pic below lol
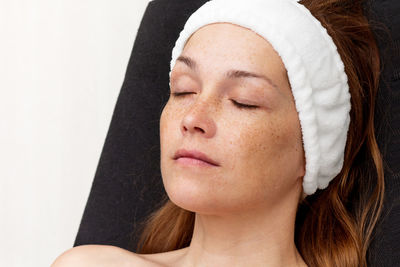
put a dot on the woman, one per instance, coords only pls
(261, 97)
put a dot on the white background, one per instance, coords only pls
(62, 64)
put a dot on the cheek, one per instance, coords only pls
(262, 141)
(269, 155)
(168, 123)
(166, 147)
(163, 122)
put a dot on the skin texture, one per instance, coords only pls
(245, 207)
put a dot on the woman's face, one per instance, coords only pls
(258, 150)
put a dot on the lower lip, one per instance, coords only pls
(194, 162)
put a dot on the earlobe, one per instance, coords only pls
(302, 172)
(302, 195)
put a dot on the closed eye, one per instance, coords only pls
(237, 104)
(179, 94)
(242, 106)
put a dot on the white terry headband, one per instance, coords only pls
(315, 70)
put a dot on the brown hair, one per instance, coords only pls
(334, 226)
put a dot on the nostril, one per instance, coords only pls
(199, 129)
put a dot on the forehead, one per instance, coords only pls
(228, 41)
(226, 45)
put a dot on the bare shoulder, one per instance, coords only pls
(101, 256)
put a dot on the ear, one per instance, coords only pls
(302, 195)
(300, 176)
(302, 167)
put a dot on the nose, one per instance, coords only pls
(199, 119)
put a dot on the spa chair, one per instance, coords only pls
(127, 185)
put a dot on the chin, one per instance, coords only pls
(192, 199)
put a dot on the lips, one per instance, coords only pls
(195, 155)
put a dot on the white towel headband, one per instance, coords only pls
(315, 70)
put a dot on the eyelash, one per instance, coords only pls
(237, 104)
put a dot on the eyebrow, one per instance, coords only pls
(231, 74)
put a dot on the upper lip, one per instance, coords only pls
(194, 154)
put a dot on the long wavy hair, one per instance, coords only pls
(333, 226)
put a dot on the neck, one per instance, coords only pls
(252, 238)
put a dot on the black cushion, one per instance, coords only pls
(128, 185)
